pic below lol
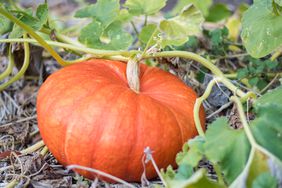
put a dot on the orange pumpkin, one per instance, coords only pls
(88, 115)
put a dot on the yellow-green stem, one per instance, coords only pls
(12, 184)
(30, 31)
(10, 65)
(270, 74)
(61, 37)
(44, 151)
(22, 70)
(189, 55)
(243, 119)
(33, 148)
(198, 104)
(118, 55)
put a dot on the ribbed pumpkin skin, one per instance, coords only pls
(88, 115)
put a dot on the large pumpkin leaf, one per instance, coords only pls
(104, 11)
(268, 125)
(147, 7)
(271, 97)
(224, 145)
(262, 28)
(105, 31)
(177, 29)
(94, 35)
(192, 152)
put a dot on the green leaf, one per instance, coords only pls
(147, 32)
(42, 14)
(176, 30)
(192, 152)
(253, 81)
(202, 5)
(112, 38)
(261, 41)
(242, 73)
(271, 64)
(124, 16)
(104, 11)
(268, 125)
(26, 17)
(218, 36)
(197, 180)
(218, 12)
(257, 164)
(271, 97)
(265, 180)
(278, 2)
(16, 32)
(224, 145)
(5, 25)
(147, 7)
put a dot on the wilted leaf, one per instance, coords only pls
(261, 30)
(234, 27)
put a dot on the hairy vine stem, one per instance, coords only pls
(22, 70)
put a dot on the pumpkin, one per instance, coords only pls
(88, 115)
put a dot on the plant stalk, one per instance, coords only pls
(22, 70)
(30, 31)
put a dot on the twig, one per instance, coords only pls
(44, 151)
(149, 157)
(70, 167)
(12, 184)
(219, 110)
(11, 99)
(19, 121)
(33, 147)
(269, 84)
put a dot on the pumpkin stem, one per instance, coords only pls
(132, 74)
